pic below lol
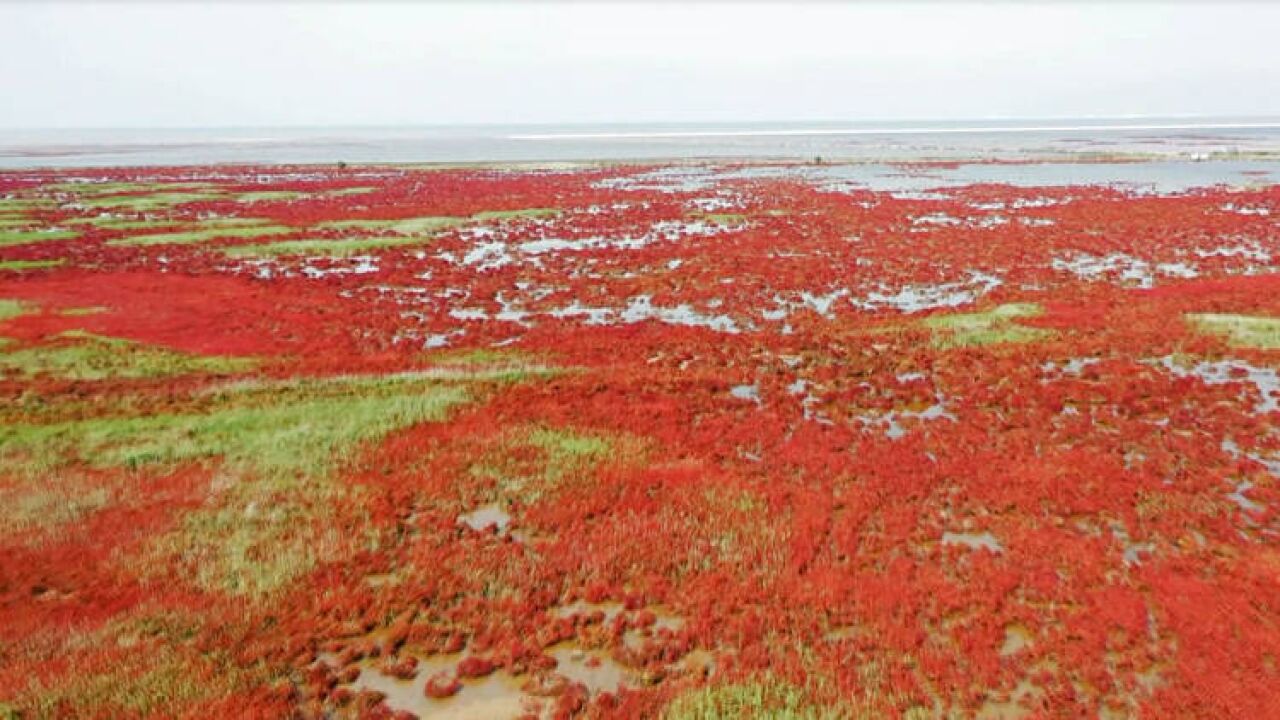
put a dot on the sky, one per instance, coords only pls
(205, 64)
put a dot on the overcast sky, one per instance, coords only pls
(325, 63)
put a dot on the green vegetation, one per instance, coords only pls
(414, 231)
(723, 218)
(287, 195)
(81, 356)
(407, 226)
(82, 311)
(488, 215)
(10, 206)
(61, 499)
(996, 325)
(273, 452)
(1240, 330)
(23, 237)
(12, 309)
(564, 446)
(98, 189)
(422, 225)
(226, 228)
(479, 357)
(16, 265)
(145, 679)
(151, 201)
(269, 196)
(563, 455)
(321, 248)
(110, 222)
(766, 698)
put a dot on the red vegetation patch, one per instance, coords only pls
(954, 449)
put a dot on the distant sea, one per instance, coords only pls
(905, 140)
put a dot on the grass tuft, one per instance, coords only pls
(12, 309)
(212, 231)
(19, 265)
(83, 356)
(273, 450)
(1240, 330)
(27, 237)
(320, 248)
(997, 325)
(765, 698)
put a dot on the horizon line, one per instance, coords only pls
(890, 131)
(1114, 122)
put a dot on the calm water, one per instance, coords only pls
(1157, 176)
(536, 143)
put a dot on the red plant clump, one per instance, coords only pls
(442, 685)
(475, 667)
(977, 448)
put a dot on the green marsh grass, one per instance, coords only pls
(27, 237)
(18, 265)
(212, 230)
(1240, 330)
(82, 356)
(272, 451)
(997, 325)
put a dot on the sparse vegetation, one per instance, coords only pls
(998, 325)
(19, 265)
(83, 356)
(1242, 330)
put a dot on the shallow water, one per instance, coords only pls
(973, 541)
(1265, 380)
(1153, 176)
(549, 146)
(595, 669)
(496, 697)
(485, 517)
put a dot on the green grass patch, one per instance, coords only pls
(269, 196)
(321, 248)
(62, 498)
(1240, 330)
(12, 309)
(18, 265)
(766, 698)
(561, 445)
(488, 215)
(82, 311)
(423, 225)
(474, 357)
(151, 678)
(20, 206)
(997, 325)
(24, 237)
(289, 195)
(723, 218)
(109, 222)
(82, 356)
(97, 189)
(563, 456)
(274, 451)
(11, 222)
(213, 231)
(407, 226)
(151, 201)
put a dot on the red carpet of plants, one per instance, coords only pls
(379, 441)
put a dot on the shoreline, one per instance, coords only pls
(921, 130)
(1011, 159)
